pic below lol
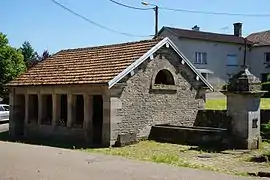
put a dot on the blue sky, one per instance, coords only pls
(47, 26)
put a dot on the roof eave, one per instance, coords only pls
(148, 54)
(65, 84)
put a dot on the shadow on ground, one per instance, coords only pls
(4, 136)
(208, 149)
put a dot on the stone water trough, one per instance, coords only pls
(197, 136)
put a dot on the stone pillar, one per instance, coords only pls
(69, 110)
(26, 109)
(243, 105)
(40, 109)
(245, 125)
(12, 122)
(54, 109)
(86, 111)
(106, 128)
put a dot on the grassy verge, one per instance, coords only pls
(156, 152)
(220, 104)
(229, 161)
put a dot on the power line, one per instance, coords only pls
(193, 11)
(94, 23)
(214, 13)
(128, 6)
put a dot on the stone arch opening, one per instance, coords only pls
(164, 77)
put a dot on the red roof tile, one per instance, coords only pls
(260, 38)
(85, 65)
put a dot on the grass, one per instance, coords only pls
(263, 154)
(220, 104)
(154, 152)
(183, 156)
(147, 151)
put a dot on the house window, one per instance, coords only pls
(267, 57)
(164, 77)
(232, 60)
(200, 58)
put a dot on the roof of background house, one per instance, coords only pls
(103, 64)
(260, 38)
(207, 36)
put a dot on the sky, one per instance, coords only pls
(49, 27)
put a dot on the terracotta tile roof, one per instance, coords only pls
(260, 38)
(85, 65)
(207, 36)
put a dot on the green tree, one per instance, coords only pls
(11, 64)
(29, 54)
(44, 55)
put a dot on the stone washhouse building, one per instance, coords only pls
(94, 94)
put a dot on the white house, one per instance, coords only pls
(259, 60)
(216, 56)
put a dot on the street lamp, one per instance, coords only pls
(156, 15)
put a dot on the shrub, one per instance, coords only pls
(265, 131)
(266, 87)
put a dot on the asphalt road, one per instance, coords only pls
(24, 162)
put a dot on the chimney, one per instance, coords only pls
(195, 28)
(238, 29)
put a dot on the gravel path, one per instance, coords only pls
(25, 162)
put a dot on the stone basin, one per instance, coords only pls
(195, 135)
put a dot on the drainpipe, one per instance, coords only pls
(245, 52)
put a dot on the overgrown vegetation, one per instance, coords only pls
(266, 87)
(15, 61)
(11, 64)
(263, 155)
(265, 131)
(155, 152)
(185, 156)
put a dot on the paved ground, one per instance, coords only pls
(25, 162)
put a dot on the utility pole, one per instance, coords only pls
(156, 15)
(156, 20)
(245, 53)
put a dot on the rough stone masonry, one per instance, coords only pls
(140, 103)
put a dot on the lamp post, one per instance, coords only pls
(156, 15)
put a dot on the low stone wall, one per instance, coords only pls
(57, 133)
(213, 118)
(198, 136)
(220, 119)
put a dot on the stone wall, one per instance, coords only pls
(137, 104)
(63, 134)
(213, 118)
(220, 119)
